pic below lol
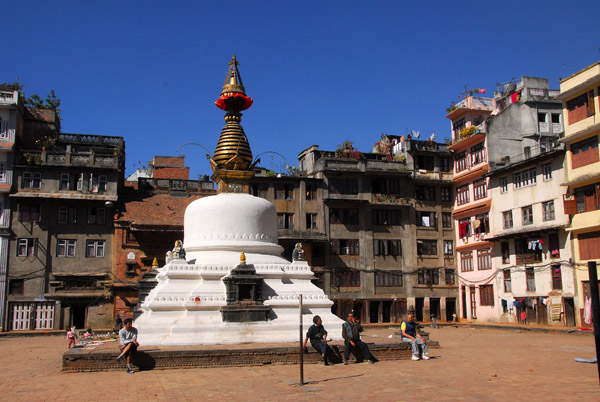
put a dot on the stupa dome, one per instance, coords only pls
(231, 222)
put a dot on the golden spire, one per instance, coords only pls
(232, 158)
(243, 258)
(154, 263)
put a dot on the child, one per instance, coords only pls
(88, 333)
(72, 336)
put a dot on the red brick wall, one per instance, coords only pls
(182, 173)
(169, 161)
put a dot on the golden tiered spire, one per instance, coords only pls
(232, 158)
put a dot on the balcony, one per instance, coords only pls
(84, 139)
(540, 95)
(67, 158)
(175, 186)
(9, 97)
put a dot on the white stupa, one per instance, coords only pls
(185, 307)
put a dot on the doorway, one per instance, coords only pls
(569, 312)
(463, 292)
(434, 305)
(450, 308)
(419, 304)
(78, 316)
(473, 302)
(374, 311)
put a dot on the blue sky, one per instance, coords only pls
(319, 72)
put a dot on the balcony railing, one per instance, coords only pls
(8, 97)
(176, 185)
(85, 139)
(87, 159)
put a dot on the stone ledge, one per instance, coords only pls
(103, 359)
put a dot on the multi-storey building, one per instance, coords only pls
(474, 249)
(386, 216)
(11, 121)
(62, 225)
(535, 276)
(581, 108)
(148, 222)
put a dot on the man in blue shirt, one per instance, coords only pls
(128, 343)
(412, 336)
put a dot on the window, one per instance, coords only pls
(29, 213)
(479, 189)
(318, 254)
(504, 184)
(507, 281)
(3, 130)
(448, 248)
(387, 247)
(587, 198)
(444, 164)
(457, 126)
(94, 248)
(344, 216)
(311, 193)
(66, 248)
(528, 250)
(589, 246)
(466, 261)
(97, 183)
(388, 279)
(285, 221)
(508, 219)
(527, 213)
(311, 221)
(556, 277)
(547, 170)
(386, 217)
(96, 216)
(548, 208)
(260, 190)
(554, 245)
(425, 193)
(32, 180)
(581, 107)
(505, 252)
(527, 152)
(530, 275)
(461, 162)
(481, 224)
(446, 219)
(423, 162)
(486, 295)
(80, 182)
(464, 227)
(477, 154)
(65, 181)
(386, 186)
(484, 259)
(345, 278)
(427, 247)
(16, 287)
(2, 172)
(556, 123)
(345, 247)
(445, 194)
(524, 179)
(67, 215)
(584, 152)
(27, 247)
(462, 194)
(343, 186)
(450, 276)
(284, 192)
(428, 276)
(426, 219)
(543, 122)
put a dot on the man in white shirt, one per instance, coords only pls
(128, 343)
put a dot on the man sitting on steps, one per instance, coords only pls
(351, 330)
(412, 336)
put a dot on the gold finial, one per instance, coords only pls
(233, 81)
(243, 258)
(154, 263)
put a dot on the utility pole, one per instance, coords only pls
(301, 348)
(593, 274)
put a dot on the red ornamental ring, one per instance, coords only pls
(197, 299)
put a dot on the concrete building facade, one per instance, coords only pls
(580, 94)
(390, 242)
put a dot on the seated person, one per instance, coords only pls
(318, 339)
(351, 330)
(128, 343)
(412, 336)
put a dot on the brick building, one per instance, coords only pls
(148, 222)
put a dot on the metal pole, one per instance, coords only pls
(593, 274)
(301, 348)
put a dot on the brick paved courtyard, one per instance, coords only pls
(472, 364)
